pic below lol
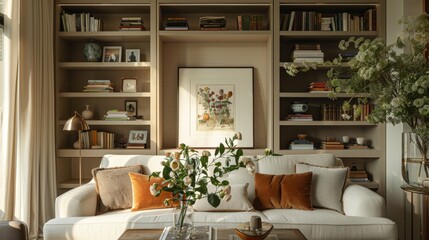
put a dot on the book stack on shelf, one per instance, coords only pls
(210, 23)
(357, 146)
(331, 145)
(99, 86)
(132, 24)
(177, 23)
(358, 176)
(136, 145)
(80, 22)
(94, 139)
(301, 144)
(307, 53)
(115, 115)
(318, 87)
(249, 22)
(300, 117)
(340, 21)
(331, 112)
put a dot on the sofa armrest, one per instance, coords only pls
(361, 201)
(80, 201)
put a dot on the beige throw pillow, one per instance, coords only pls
(113, 186)
(239, 201)
(327, 185)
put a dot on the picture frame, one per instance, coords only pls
(132, 55)
(215, 103)
(131, 108)
(112, 53)
(137, 137)
(129, 85)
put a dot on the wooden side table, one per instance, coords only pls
(424, 219)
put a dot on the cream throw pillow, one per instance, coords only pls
(239, 201)
(327, 185)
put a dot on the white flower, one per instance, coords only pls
(227, 197)
(172, 175)
(245, 160)
(170, 185)
(396, 102)
(153, 190)
(189, 166)
(250, 166)
(238, 136)
(175, 165)
(187, 180)
(227, 190)
(206, 153)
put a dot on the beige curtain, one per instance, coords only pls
(27, 165)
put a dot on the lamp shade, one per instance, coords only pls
(76, 123)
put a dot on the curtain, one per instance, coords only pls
(27, 164)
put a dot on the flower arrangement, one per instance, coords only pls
(395, 76)
(187, 174)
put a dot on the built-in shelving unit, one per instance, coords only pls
(289, 90)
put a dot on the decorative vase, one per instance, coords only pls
(183, 220)
(87, 113)
(415, 163)
(92, 51)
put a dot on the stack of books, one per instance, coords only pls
(333, 145)
(308, 53)
(212, 23)
(132, 24)
(98, 86)
(357, 146)
(116, 115)
(80, 22)
(318, 87)
(300, 117)
(95, 139)
(249, 22)
(301, 144)
(358, 176)
(178, 23)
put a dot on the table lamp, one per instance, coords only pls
(77, 123)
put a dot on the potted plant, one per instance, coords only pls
(396, 78)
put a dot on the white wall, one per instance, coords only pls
(397, 201)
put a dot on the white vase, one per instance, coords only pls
(87, 113)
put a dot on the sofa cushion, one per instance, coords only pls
(267, 191)
(113, 187)
(327, 185)
(142, 198)
(296, 191)
(239, 201)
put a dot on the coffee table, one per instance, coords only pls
(218, 233)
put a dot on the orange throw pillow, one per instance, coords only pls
(296, 191)
(267, 191)
(142, 198)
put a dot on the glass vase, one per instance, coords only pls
(183, 220)
(415, 165)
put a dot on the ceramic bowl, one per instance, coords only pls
(243, 231)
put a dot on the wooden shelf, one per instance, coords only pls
(326, 123)
(327, 34)
(101, 152)
(371, 153)
(215, 36)
(107, 36)
(104, 65)
(72, 183)
(103, 94)
(318, 95)
(113, 123)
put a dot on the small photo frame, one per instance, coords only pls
(132, 55)
(112, 53)
(131, 108)
(129, 85)
(137, 137)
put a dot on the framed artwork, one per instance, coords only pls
(215, 103)
(131, 108)
(132, 55)
(112, 53)
(137, 137)
(129, 85)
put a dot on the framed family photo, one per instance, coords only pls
(129, 85)
(112, 53)
(132, 55)
(131, 108)
(215, 103)
(137, 137)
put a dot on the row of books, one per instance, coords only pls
(358, 176)
(99, 86)
(331, 145)
(96, 139)
(132, 24)
(177, 23)
(341, 21)
(80, 22)
(318, 87)
(213, 23)
(334, 112)
(250, 22)
(308, 56)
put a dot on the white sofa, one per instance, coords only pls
(363, 216)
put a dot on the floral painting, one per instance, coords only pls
(215, 107)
